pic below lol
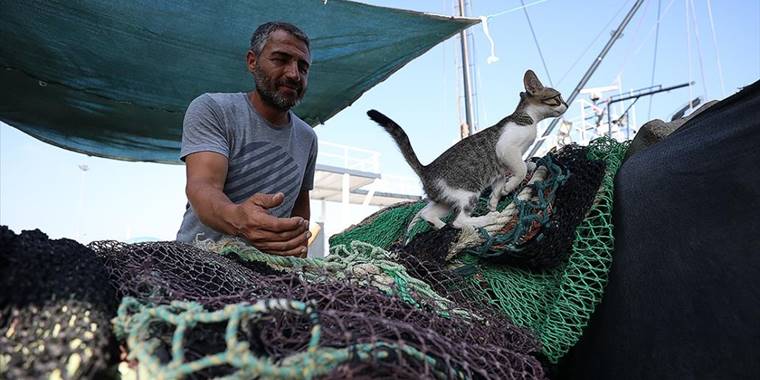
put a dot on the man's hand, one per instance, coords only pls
(206, 173)
(278, 236)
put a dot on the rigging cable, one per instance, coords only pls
(643, 41)
(654, 60)
(715, 46)
(629, 52)
(536, 41)
(699, 46)
(517, 8)
(614, 17)
(688, 44)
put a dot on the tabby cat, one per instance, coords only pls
(491, 157)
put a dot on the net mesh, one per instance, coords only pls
(565, 265)
(54, 310)
(390, 301)
(290, 324)
(556, 304)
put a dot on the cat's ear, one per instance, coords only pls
(532, 84)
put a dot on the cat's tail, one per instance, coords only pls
(402, 140)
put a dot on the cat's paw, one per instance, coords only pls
(493, 203)
(508, 188)
(437, 223)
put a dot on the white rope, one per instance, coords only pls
(715, 46)
(491, 58)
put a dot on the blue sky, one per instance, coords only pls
(42, 186)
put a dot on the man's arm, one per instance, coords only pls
(206, 173)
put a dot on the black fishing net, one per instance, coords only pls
(547, 222)
(55, 309)
(549, 245)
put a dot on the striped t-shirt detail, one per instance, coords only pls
(262, 158)
(262, 168)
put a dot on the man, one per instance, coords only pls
(250, 160)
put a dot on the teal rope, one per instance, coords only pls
(134, 321)
(528, 212)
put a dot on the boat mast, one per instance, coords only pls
(466, 76)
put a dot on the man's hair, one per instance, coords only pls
(262, 33)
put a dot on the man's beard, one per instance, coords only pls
(267, 89)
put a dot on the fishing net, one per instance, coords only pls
(550, 282)
(556, 304)
(55, 311)
(305, 321)
(545, 214)
(383, 228)
(390, 301)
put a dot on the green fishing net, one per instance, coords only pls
(554, 303)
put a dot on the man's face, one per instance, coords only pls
(281, 70)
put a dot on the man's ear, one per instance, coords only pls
(250, 60)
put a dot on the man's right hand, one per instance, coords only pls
(278, 236)
(206, 173)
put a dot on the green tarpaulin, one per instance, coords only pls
(113, 78)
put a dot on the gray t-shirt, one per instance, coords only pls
(262, 158)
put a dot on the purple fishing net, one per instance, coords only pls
(479, 343)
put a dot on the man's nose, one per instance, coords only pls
(291, 72)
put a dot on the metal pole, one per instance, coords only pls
(652, 92)
(609, 120)
(466, 74)
(590, 71)
(635, 97)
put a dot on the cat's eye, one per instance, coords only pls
(553, 101)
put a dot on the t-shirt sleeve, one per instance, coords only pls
(308, 179)
(203, 129)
